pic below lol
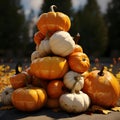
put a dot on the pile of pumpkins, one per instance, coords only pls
(58, 74)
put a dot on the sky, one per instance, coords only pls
(36, 4)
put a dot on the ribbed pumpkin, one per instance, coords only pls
(20, 80)
(73, 81)
(6, 95)
(79, 62)
(53, 21)
(35, 54)
(44, 48)
(102, 87)
(49, 67)
(29, 98)
(38, 37)
(37, 82)
(61, 43)
(75, 102)
(78, 48)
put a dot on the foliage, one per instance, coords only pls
(113, 20)
(91, 25)
(13, 33)
(64, 6)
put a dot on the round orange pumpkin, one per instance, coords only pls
(29, 98)
(53, 21)
(78, 48)
(37, 82)
(20, 80)
(49, 67)
(79, 62)
(38, 36)
(102, 87)
(55, 88)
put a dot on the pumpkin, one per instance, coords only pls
(85, 74)
(29, 98)
(74, 102)
(28, 71)
(35, 55)
(61, 43)
(79, 62)
(52, 103)
(49, 67)
(38, 37)
(55, 88)
(20, 79)
(6, 95)
(78, 48)
(44, 48)
(102, 87)
(53, 21)
(73, 81)
(37, 82)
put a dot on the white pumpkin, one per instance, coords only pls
(73, 81)
(6, 96)
(74, 103)
(35, 55)
(44, 48)
(61, 43)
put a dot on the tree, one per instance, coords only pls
(62, 6)
(91, 25)
(113, 21)
(13, 34)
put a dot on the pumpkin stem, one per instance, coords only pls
(17, 68)
(52, 8)
(77, 37)
(101, 73)
(77, 78)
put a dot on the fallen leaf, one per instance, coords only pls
(116, 109)
(99, 109)
(6, 107)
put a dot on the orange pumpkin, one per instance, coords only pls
(49, 67)
(52, 103)
(55, 88)
(102, 87)
(20, 80)
(78, 48)
(53, 21)
(38, 36)
(79, 62)
(39, 82)
(29, 98)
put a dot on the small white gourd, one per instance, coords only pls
(74, 102)
(73, 81)
(61, 43)
(6, 96)
(44, 48)
(35, 55)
